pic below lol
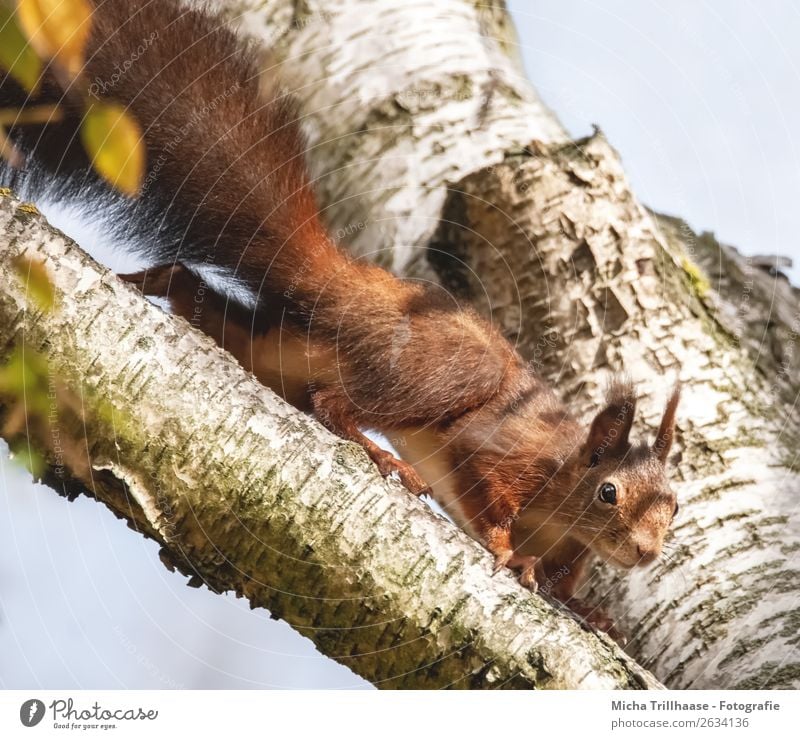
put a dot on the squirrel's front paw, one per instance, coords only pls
(529, 570)
(526, 565)
(597, 618)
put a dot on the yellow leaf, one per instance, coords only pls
(57, 29)
(36, 278)
(113, 140)
(17, 56)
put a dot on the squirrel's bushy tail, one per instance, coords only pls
(225, 183)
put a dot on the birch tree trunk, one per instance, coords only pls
(436, 158)
(245, 493)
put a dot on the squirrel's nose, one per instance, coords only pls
(646, 554)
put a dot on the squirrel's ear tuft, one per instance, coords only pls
(666, 431)
(611, 427)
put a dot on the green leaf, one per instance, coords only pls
(17, 56)
(114, 142)
(24, 378)
(24, 375)
(16, 375)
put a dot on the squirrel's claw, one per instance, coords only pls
(527, 577)
(388, 464)
(412, 481)
(409, 477)
(501, 560)
(526, 564)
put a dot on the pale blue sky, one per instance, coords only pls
(700, 98)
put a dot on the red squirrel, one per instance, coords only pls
(227, 197)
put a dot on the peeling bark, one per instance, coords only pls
(425, 172)
(244, 493)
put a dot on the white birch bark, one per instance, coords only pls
(548, 239)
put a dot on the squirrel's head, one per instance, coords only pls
(626, 501)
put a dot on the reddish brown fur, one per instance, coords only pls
(347, 340)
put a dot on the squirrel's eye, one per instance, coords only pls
(608, 493)
(675, 512)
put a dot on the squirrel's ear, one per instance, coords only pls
(610, 428)
(666, 431)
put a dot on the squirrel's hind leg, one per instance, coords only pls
(332, 409)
